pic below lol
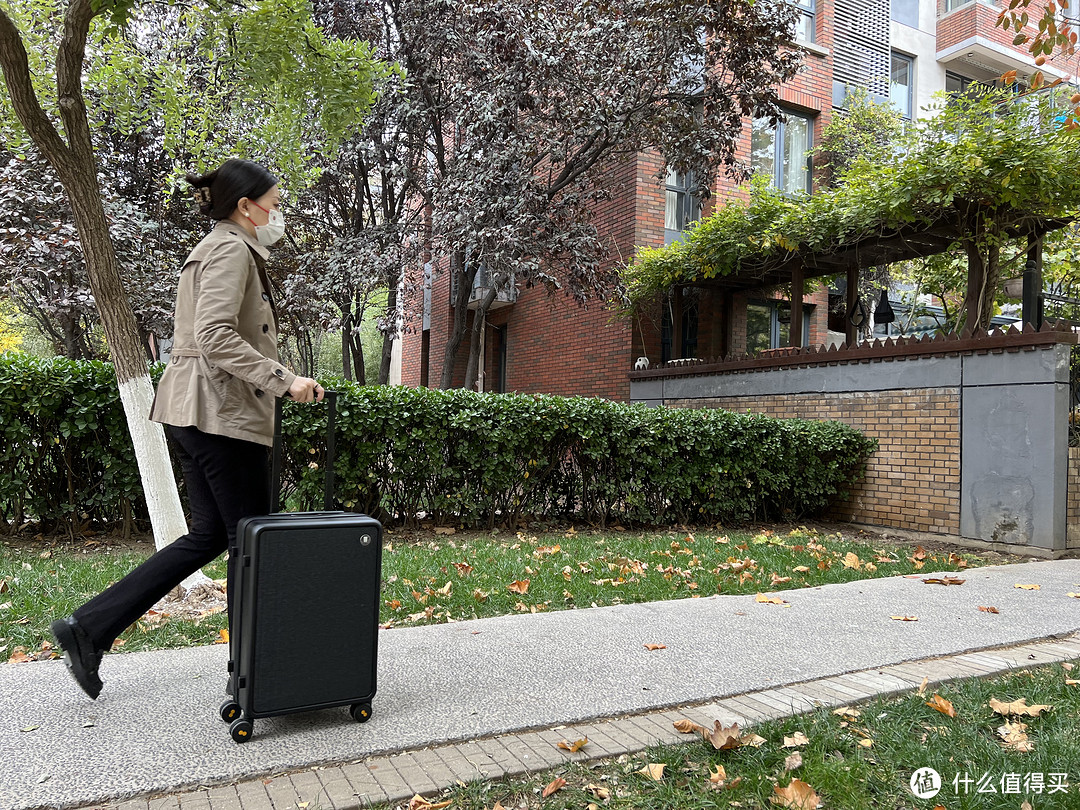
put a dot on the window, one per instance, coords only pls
(955, 83)
(680, 205)
(768, 325)
(806, 22)
(952, 5)
(902, 83)
(905, 12)
(781, 152)
(689, 326)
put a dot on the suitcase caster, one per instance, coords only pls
(230, 710)
(240, 730)
(361, 712)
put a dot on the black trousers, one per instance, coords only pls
(227, 479)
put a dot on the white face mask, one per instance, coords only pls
(273, 230)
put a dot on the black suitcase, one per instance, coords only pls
(306, 596)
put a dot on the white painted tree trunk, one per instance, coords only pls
(155, 468)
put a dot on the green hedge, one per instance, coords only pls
(456, 456)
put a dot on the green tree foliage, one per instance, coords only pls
(862, 129)
(980, 166)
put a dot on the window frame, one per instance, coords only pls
(778, 135)
(909, 115)
(774, 305)
(685, 200)
(807, 20)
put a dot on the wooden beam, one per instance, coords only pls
(849, 306)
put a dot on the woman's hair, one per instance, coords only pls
(219, 191)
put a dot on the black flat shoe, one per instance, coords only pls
(79, 654)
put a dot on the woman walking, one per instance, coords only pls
(216, 399)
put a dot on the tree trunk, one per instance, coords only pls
(76, 166)
(359, 366)
(472, 370)
(388, 336)
(346, 353)
(465, 275)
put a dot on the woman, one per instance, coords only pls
(216, 398)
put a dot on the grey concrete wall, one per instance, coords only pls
(1013, 431)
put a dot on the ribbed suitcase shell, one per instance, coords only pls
(308, 600)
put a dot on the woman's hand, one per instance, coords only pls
(305, 389)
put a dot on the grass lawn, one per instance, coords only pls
(856, 759)
(452, 577)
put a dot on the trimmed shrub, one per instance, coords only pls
(454, 456)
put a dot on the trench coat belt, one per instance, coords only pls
(185, 353)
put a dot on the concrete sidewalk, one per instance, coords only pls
(473, 699)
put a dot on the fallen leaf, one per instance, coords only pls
(30, 728)
(223, 636)
(654, 771)
(652, 647)
(463, 569)
(779, 580)
(905, 618)
(19, 656)
(418, 802)
(718, 776)
(798, 795)
(920, 554)
(4, 586)
(598, 792)
(1018, 707)
(520, 586)
(769, 600)
(480, 596)
(793, 761)
(866, 743)
(724, 737)
(851, 560)
(1065, 665)
(802, 569)
(394, 604)
(848, 713)
(1027, 587)
(1073, 595)
(1014, 737)
(988, 609)
(794, 741)
(554, 785)
(1071, 682)
(942, 705)
(690, 727)
(944, 581)
(446, 589)
(575, 746)
(922, 686)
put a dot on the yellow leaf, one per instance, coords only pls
(769, 600)
(520, 586)
(923, 685)
(689, 727)
(1018, 707)
(1074, 595)
(654, 771)
(988, 609)
(575, 746)
(851, 560)
(944, 581)
(848, 713)
(718, 776)
(942, 705)
(480, 596)
(652, 647)
(446, 589)
(1026, 587)
(223, 636)
(866, 743)
(555, 784)
(1014, 737)
(794, 741)
(798, 795)
(905, 618)
(801, 569)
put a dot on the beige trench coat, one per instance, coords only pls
(223, 373)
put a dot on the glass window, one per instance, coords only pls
(680, 205)
(901, 84)
(781, 152)
(806, 22)
(768, 325)
(906, 12)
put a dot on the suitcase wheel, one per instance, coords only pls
(240, 730)
(361, 712)
(230, 710)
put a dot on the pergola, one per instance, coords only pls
(913, 241)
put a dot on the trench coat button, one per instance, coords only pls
(258, 392)
(266, 328)
(280, 373)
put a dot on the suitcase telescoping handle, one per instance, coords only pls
(331, 453)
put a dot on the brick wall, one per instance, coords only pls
(913, 480)
(1072, 511)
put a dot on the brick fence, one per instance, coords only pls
(972, 431)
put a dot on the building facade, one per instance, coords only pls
(903, 52)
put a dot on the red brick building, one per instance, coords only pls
(906, 51)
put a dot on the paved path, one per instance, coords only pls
(474, 699)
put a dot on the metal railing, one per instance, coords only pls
(1074, 397)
